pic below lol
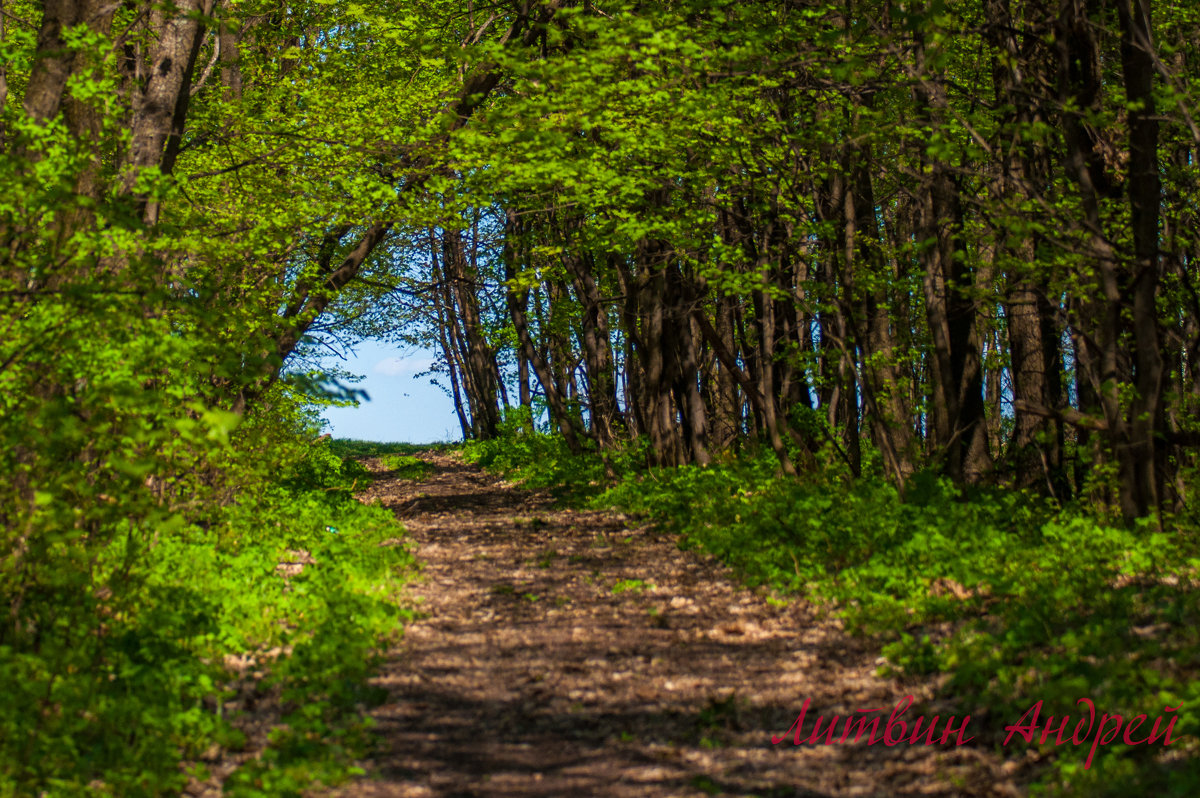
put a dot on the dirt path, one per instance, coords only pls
(564, 654)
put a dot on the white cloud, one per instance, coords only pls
(402, 366)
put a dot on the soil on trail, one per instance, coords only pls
(563, 653)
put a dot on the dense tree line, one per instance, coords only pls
(947, 235)
(192, 192)
(891, 236)
(189, 192)
(900, 235)
(957, 235)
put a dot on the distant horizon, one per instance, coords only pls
(401, 407)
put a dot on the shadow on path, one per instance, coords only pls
(563, 653)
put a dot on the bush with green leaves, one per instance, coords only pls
(149, 555)
(541, 459)
(405, 466)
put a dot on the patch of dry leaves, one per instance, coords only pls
(530, 676)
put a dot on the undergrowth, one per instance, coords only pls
(351, 447)
(117, 679)
(1015, 600)
(405, 466)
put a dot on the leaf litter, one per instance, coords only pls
(674, 689)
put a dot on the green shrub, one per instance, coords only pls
(114, 662)
(405, 466)
(540, 459)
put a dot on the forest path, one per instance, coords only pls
(563, 653)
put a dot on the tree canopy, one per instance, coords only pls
(898, 237)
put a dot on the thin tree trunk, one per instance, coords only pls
(1147, 457)
(959, 433)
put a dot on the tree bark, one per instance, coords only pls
(1147, 455)
(959, 435)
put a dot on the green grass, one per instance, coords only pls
(351, 448)
(111, 704)
(405, 466)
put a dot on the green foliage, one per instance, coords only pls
(406, 466)
(631, 586)
(543, 460)
(127, 612)
(347, 448)
(322, 471)
(151, 292)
